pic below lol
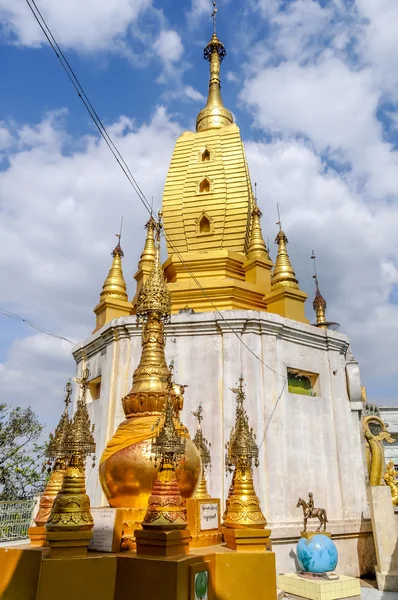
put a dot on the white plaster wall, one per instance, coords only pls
(306, 443)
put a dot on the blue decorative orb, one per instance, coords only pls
(317, 555)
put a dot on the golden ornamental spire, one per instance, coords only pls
(319, 305)
(283, 274)
(154, 297)
(214, 115)
(257, 245)
(148, 392)
(115, 285)
(243, 506)
(203, 447)
(149, 251)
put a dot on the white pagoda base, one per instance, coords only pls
(306, 443)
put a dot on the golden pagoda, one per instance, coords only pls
(126, 471)
(243, 510)
(217, 256)
(285, 298)
(207, 206)
(68, 529)
(113, 299)
(56, 452)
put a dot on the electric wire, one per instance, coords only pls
(120, 160)
(11, 315)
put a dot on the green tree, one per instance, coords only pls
(21, 453)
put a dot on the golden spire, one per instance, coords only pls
(214, 115)
(283, 274)
(147, 394)
(114, 285)
(155, 297)
(149, 251)
(319, 303)
(257, 245)
(56, 446)
(203, 447)
(243, 506)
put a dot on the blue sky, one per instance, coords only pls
(312, 85)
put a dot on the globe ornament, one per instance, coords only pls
(317, 554)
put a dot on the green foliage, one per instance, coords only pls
(20, 453)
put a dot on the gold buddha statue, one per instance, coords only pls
(127, 472)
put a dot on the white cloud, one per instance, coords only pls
(168, 46)
(355, 245)
(60, 205)
(84, 25)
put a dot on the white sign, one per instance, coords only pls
(104, 526)
(208, 516)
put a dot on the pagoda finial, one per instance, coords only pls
(257, 245)
(319, 303)
(155, 297)
(214, 115)
(115, 285)
(149, 251)
(283, 274)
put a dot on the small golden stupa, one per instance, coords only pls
(203, 447)
(242, 506)
(55, 451)
(126, 471)
(70, 522)
(166, 507)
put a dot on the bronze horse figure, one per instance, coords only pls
(313, 513)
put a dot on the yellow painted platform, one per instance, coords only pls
(27, 573)
(322, 589)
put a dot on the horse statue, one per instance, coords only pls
(310, 512)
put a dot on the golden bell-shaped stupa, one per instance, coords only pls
(126, 472)
(166, 507)
(243, 508)
(203, 447)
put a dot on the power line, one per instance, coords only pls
(11, 315)
(119, 158)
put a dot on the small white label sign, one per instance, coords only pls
(104, 525)
(209, 516)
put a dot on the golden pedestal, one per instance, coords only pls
(310, 534)
(37, 535)
(247, 540)
(202, 514)
(68, 543)
(162, 543)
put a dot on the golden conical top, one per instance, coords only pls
(154, 297)
(319, 305)
(283, 274)
(149, 251)
(203, 447)
(257, 245)
(214, 115)
(114, 285)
